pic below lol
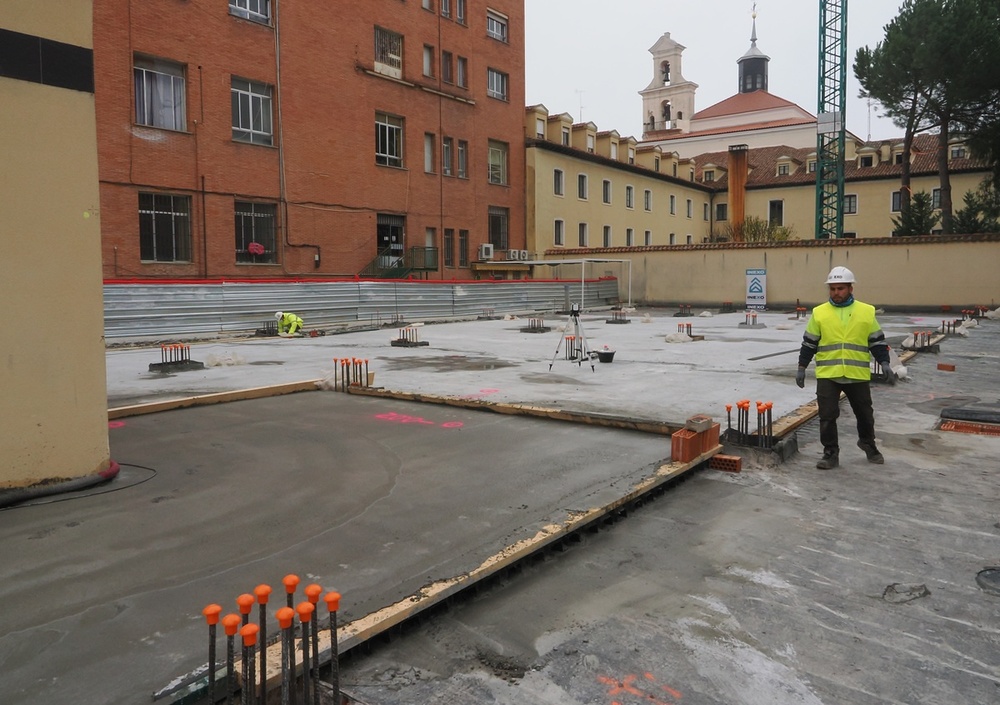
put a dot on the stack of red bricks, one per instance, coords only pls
(699, 435)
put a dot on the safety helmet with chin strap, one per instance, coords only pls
(840, 275)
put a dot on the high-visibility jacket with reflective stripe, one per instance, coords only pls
(843, 336)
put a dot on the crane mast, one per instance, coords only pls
(830, 115)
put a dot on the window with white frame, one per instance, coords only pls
(446, 8)
(496, 25)
(498, 164)
(388, 140)
(256, 233)
(159, 94)
(388, 52)
(463, 159)
(630, 197)
(429, 60)
(540, 128)
(251, 103)
(460, 11)
(811, 166)
(783, 169)
(607, 236)
(673, 204)
(850, 204)
(631, 155)
(647, 200)
(673, 239)
(606, 191)
(958, 151)
(430, 147)
(656, 165)
(708, 175)
(614, 150)
(866, 161)
(559, 233)
(256, 10)
(462, 72)
(648, 238)
(629, 237)
(935, 198)
(583, 235)
(688, 239)
(164, 228)
(565, 137)
(581, 186)
(447, 151)
(496, 84)
(558, 182)
(499, 223)
(590, 144)
(897, 202)
(690, 206)
(704, 211)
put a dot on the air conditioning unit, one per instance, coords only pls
(523, 255)
(513, 254)
(486, 251)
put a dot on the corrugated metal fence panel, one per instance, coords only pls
(380, 301)
(139, 310)
(318, 304)
(134, 310)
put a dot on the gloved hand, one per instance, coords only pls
(800, 377)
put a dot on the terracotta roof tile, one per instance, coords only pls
(744, 103)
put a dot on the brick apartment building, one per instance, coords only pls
(268, 139)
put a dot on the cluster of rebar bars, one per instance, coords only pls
(175, 353)
(763, 437)
(684, 328)
(353, 371)
(253, 690)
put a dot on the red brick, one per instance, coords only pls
(729, 463)
(685, 446)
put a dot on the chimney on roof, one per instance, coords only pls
(738, 169)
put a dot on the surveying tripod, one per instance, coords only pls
(578, 349)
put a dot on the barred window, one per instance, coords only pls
(164, 228)
(499, 222)
(388, 52)
(256, 239)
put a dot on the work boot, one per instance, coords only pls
(871, 452)
(828, 461)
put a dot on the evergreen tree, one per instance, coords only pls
(919, 219)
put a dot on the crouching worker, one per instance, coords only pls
(288, 323)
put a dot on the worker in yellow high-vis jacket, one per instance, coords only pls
(288, 323)
(841, 334)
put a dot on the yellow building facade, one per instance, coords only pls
(54, 401)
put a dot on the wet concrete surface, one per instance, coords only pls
(762, 587)
(780, 585)
(375, 498)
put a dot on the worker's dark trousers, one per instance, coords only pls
(859, 394)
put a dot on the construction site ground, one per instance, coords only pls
(780, 584)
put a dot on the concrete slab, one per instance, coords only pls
(376, 498)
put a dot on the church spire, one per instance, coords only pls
(753, 64)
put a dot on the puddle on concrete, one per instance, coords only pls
(553, 378)
(446, 363)
(988, 580)
(267, 362)
(934, 406)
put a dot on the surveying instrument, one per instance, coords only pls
(577, 348)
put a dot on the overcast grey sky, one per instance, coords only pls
(601, 61)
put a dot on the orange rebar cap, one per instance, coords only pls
(286, 615)
(245, 601)
(332, 600)
(313, 592)
(305, 610)
(212, 613)
(262, 592)
(231, 623)
(291, 582)
(249, 634)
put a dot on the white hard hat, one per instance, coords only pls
(840, 275)
(278, 315)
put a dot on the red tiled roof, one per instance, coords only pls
(763, 164)
(744, 103)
